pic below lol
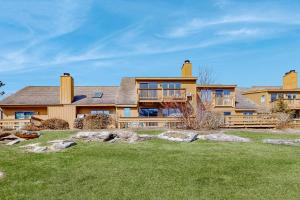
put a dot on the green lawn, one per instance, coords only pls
(153, 169)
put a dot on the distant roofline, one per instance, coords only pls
(271, 90)
(216, 86)
(165, 78)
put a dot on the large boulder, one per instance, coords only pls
(58, 145)
(35, 148)
(16, 141)
(94, 136)
(295, 142)
(221, 137)
(179, 136)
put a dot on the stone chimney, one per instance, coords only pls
(290, 80)
(186, 70)
(66, 89)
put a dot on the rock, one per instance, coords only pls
(16, 141)
(179, 136)
(1, 174)
(94, 136)
(35, 148)
(221, 137)
(295, 142)
(58, 145)
(127, 136)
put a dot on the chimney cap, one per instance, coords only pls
(67, 74)
(291, 71)
(187, 61)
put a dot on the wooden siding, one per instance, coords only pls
(9, 112)
(65, 112)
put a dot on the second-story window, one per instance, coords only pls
(148, 90)
(206, 96)
(171, 89)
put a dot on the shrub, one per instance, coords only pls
(212, 120)
(78, 123)
(283, 120)
(31, 127)
(99, 121)
(55, 124)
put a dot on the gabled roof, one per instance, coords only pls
(49, 95)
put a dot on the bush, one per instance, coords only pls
(99, 121)
(283, 120)
(31, 127)
(55, 124)
(78, 123)
(212, 120)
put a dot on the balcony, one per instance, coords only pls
(14, 123)
(291, 103)
(162, 95)
(225, 101)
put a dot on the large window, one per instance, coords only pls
(148, 90)
(291, 96)
(263, 99)
(248, 113)
(24, 115)
(148, 112)
(171, 112)
(274, 97)
(171, 89)
(206, 96)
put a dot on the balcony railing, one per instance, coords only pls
(225, 101)
(291, 103)
(160, 94)
(14, 123)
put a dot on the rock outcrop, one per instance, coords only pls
(178, 136)
(221, 137)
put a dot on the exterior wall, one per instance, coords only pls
(290, 80)
(133, 111)
(9, 112)
(65, 112)
(256, 97)
(66, 89)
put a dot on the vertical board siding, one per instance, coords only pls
(66, 112)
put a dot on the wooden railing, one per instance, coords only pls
(251, 121)
(225, 101)
(291, 103)
(137, 122)
(160, 94)
(14, 123)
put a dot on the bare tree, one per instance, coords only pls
(206, 76)
(1, 85)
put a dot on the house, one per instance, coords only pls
(268, 96)
(137, 101)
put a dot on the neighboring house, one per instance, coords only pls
(268, 96)
(138, 101)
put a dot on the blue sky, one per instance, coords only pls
(98, 42)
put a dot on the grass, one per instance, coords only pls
(154, 169)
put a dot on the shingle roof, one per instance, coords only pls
(49, 95)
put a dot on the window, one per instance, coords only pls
(291, 96)
(127, 112)
(24, 115)
(148, 112)
(171, 112)
(148, 90)
(95, 112)
(263, 99)
(227, 113)
(274, 97)
(226, 92)
(248, 113)
(171, 89)
(206, 96)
